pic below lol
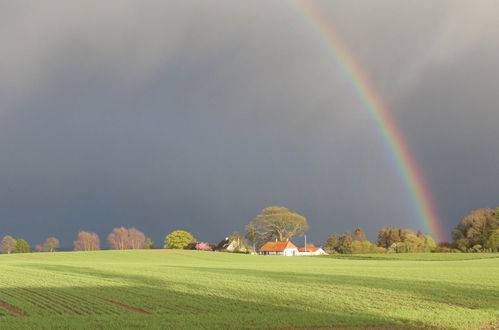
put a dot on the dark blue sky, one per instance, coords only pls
(195, 116)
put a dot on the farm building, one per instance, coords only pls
(279, 249)
(311, 251)
(233, 243)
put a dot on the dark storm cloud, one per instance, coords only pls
(195, 116)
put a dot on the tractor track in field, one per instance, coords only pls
(125, 307)
(12, 309)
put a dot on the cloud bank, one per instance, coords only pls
(194, 115)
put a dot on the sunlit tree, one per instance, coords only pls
(277, 222)
(87, 241)
(179, 239)
(8, 244)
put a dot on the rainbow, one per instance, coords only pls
(398, 149)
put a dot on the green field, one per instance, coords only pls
(188, 289)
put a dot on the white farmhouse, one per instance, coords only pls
(279, 249)
(311, 251)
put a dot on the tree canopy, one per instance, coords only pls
(22, 246)
(476, 229)
(51, 244)
(179, 239)
(8, 244)
(276, 222)
(126, 239)
(87, 241)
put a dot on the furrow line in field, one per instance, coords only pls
(91, 307)
(126, 307)
(32, 301)
(67, 300)
(40, 302)
(55, 302)
(12, 309)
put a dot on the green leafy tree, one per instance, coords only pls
(475, 229)
(357, 247)
(413, 243)
(493, 241)
(428, 243)
(179, 239)
(277, 222)
(8, 244)
(332, 242)
(149, 244)
(345, 241)
(22, 246)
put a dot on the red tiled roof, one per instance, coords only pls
(277, 246)
(309, 249)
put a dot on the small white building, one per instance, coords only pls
(279, 249)
(311, 251)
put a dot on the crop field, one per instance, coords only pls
(188, 289)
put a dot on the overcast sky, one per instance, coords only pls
(195, 115)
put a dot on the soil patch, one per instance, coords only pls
(12, 309)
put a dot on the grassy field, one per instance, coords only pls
(188, 289)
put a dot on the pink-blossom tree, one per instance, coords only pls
(203, 247)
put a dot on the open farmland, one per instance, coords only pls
(188, 289)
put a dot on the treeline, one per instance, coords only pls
(477, 232)
(11, 245)
(119, 239)
(348, 243)
(390, 240)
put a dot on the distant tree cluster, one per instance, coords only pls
(50, 245)
(348, 243)
(401, 240)
(11, 245)
(478, 231)
(119, 239)
(127, 239)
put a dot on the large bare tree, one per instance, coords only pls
(137, 239)
(87, 241)
(51, 244)
(126, 238)
(118, 239)
(277, 222)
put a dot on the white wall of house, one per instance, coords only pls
(286, 252)
(314, 253)
(291, 252)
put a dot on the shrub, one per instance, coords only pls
(203, 247)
